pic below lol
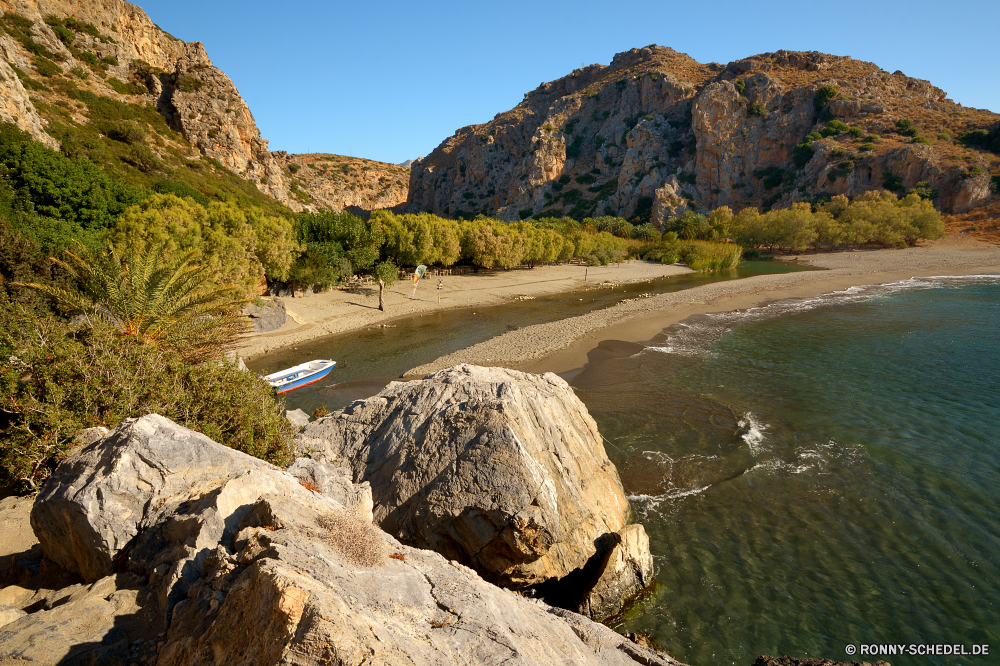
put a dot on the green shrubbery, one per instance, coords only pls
(982, 139)
(55, 381)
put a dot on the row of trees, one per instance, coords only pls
(874, 218)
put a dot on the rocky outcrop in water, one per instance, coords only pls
(656, 133)
(500, 470)
(230, 560)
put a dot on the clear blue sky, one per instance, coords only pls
(390, 80)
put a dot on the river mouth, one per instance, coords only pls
(370, 358)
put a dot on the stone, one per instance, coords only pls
(625, 571)
(8, 614)
(16, 536)
(655, 114)
(334, 482)
(276, 573)
(16, 107)
(500, 470)
(98, 500)
(269, 315)
(297, 418)
(765, 660)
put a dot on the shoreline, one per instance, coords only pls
(563, 346)
(341, 311)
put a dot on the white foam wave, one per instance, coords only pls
(752, 432)
(647, 503)
(695, 336)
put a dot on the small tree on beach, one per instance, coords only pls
(387, 275)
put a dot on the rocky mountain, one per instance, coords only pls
(50, 50)
(656, 133)
(337, 182)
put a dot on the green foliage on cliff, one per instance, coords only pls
(982, 139)
(55, 381)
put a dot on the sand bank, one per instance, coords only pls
(563, 345)
(340, 311)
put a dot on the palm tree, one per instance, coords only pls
(164, 305)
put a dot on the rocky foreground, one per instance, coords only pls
(158, 545)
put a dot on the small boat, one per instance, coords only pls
(300, 375)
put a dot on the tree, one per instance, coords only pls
(387, 274)
(167, 306)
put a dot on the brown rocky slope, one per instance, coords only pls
(112, 49)
(656, 133)
(336, 182)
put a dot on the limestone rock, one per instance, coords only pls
(765, 660)
(625, 571)
(335, 482)
(98, 500)
(726, 135)
(296, 594)
(276, 573)
(297, 418)
(270, 315)
(501, 470)
(8, 614)
(16, 107)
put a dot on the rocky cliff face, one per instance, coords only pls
(338, 182)
(656, 133)
(117, 42)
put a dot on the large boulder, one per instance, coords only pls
(266, 315)
(625, 571)
(500, 470)
(99, 500)
(273, 572)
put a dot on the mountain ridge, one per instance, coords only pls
(656, 133)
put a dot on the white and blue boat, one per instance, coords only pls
(300, 375)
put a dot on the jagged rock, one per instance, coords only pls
(276, 573)
(97, 501)
(297, 418)
(16, 107)
(501, 470)
(625, 571)
(101, 623)
(268, 316)
(335, 482)
(295, 593)
(8, 614)
(726, 134)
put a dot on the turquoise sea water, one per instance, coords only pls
(816, 473)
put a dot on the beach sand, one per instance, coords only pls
(340, 311)
(563, 345)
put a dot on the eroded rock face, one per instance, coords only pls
(197, 98)
(501, 470)
(625, 571)
(250, 566)
(655, 133)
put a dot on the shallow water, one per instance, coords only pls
(815, 472)
(368, 359)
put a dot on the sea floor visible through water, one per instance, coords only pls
(815, 473)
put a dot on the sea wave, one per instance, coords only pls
(645, 504)
(696, 335)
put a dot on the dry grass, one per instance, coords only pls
(354, 537)
(982, 223)
(308, 485)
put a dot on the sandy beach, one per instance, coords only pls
(340, 311)
(563, 345)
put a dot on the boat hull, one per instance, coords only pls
(304, 381)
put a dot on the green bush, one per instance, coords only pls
(586, 179)
(824, 95)
(757, 109)
(46, 67)
(982, 139)
(905, 127)
(740, 85)
(921, 139)
(944, 136)
(55, 382)
(525, 213)
(802, 153)
(180, 189)
(127, 131)
(141, 157)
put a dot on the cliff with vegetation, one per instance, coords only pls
(337, 182)
(75, 74)
(657, 133)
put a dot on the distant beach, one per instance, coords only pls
(341, 311)
(563, 345)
